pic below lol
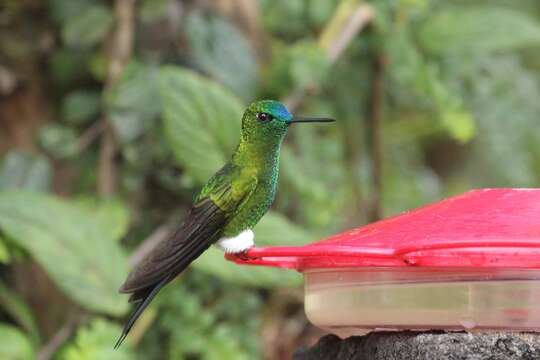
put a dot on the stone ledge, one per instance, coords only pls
(431, 345)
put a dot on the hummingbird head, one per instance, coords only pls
(268, 120)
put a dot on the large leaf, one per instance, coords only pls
(59, 140)
(222, 51)
(111, 214)
(408, 182)
(285, 16)
(304, 181)
(418, 80)
(131, 103)
(506, 104)
(201, 119)
(14, 345)
(67, 66)
(215, 325)
(83, 260)
(4, 252)
(479, 28)
(273, 230)
(81, 106)
(308, 64)
(14, 305)
(22, 170)
(153, 10)
(61, 10)
(87, 28)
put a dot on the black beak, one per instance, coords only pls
(298, 119)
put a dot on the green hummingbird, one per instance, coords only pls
(229, 205)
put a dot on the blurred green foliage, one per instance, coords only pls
(459, 105)
(92, 342)
(73, 246)
(15, 345)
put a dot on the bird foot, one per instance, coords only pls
(243, 255)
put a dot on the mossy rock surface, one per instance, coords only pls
(409, 345)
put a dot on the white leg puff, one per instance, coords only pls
(236, 244)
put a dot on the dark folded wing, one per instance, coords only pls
(221, 197)
(200, 230)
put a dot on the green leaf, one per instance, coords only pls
(320, 12)
(131, 103)
(94, 342)
(273, 230)
(153, 10)
(273, 13)
(309, 64)
(81, 106)
(201, 121)
(59, 140)
(304, 181)
(222, 51)
(504, 96)
(222, 348)
(22, 170)
(98, 66)
(70, 245)
(408, 183)
(4, 252)
(111, 214)
(213, 314)
(303, 64)
(15, 306)
(62, 10)
(460, 124)
(14, 345)
(87, 28)
(479, 29)
(67, 66)
(421, 81)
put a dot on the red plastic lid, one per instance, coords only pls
(498, 228)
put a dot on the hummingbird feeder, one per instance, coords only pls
(468, 262)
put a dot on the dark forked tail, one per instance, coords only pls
(142, 303)
(172, 256)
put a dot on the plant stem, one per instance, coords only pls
(60, 337)
(348, 21)
(120, 53)
(376, 104)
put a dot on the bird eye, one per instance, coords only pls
(264, 117)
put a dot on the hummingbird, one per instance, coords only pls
(225, 211)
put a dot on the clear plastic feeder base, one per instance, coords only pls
(356, 301)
